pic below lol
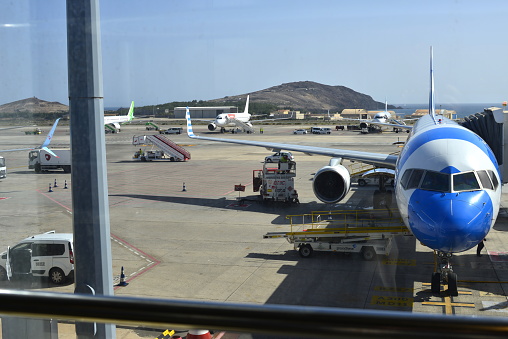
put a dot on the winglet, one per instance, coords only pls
(131, 112)
(432, 108)
(190, 133)
(247, 106)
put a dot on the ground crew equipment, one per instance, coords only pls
(275, 182)
(367, 232)
(163, 149)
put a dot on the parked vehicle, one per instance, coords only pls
(172, 130)
(276, 157)
(321, 130)
(300, 131)
(42, 160)
(44, 255)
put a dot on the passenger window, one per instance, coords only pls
(494, 178)
(465, 182)
(47, 249)
(415, 178)
(485, 180)
(405, 178)
(435, 181)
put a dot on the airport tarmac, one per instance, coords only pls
(200, 244)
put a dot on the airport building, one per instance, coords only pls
(204, 112)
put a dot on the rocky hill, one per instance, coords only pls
(34, 105)
(310, 96)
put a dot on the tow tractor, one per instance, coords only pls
(275, 182)
(369, 233)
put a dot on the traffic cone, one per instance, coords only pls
(65, 184)
(50, 190)
(122, 279)
(199, 334)
(183, 189)
(55, 185)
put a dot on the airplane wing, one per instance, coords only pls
(377, 159)
(271, 119)
(43, 145)
(4, 128)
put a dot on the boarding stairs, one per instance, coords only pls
(169, 148)
(341, 226)
(242, 125)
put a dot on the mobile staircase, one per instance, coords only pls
(168, 149)
(247, 128)
(368, 232)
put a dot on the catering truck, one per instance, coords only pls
(42, 160)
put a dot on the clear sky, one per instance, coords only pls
(160, 51)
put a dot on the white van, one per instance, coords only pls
(44, 255)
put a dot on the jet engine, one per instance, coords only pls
(363, 125)
(212, 126)
(332, 183)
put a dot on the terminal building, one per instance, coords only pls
(204, 112)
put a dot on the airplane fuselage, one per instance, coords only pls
(451, 200)
(227, 119)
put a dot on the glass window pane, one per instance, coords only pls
(405, 178)
(465, 182)
(485, 180)
(435, 181)
(494, 178)
(414, 181)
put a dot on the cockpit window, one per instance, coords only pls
(494, 178)
(414, 180)
(405, 178)
(436, 181)
(465, 182)
(485, 180)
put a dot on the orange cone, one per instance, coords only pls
(199, 334)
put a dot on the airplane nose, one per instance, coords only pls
(450, 222)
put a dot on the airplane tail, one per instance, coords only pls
(432, 108)
(247, 106)
(130, 115)
(46, 142)
(190, 133)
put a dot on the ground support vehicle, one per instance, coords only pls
(44, 255)
(300, 131)
(165, 149)
(151, 126)
(369, 233)
(3, 169)
(42, 160)
(110, 129)
(34, 131)
(276, 182)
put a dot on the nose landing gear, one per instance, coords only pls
(444, 275)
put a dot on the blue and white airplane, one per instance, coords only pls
(43, 146)
(447, 183)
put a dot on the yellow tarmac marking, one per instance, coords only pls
(393, 289)
(448, 302)
(392, 301)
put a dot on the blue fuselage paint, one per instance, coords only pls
(447, 221)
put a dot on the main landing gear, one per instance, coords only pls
(444, 275)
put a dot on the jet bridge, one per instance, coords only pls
(490, 125)
(368, 233)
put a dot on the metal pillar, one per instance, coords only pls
(92, 246)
